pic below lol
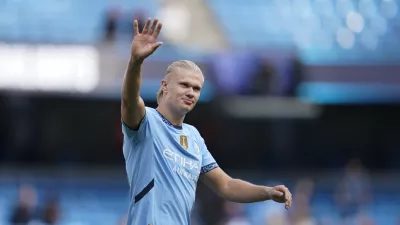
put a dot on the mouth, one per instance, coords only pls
(188, 102)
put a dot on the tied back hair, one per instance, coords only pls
(180, 64)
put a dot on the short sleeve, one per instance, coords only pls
(133, 137)
(208, 162)
(135, 134)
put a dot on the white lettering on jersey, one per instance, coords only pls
(184, 173)
(180, 160)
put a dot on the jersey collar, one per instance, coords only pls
(167, 122)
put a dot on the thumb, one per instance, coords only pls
(276, 193)
(156, 45)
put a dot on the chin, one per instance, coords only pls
(187, 108)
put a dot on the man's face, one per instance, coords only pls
(183, 89)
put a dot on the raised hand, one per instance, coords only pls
(144, 44)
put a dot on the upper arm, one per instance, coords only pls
(132, 113)
(134, 138)
(217, 180)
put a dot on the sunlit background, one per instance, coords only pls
(304, 93)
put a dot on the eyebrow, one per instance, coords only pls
(186, 82)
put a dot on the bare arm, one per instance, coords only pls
(132, 105)
(143, 45)
(244, 192)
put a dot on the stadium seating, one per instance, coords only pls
(65, 21)
(73, 22)
(323, 31)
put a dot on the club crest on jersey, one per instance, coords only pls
(183, 140)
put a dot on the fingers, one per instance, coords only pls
(277, 193)
(288, 198)
(135, 27)
(156, 45)
(146, 26)
(286, 194)
(153, 26)
(157, 31)
(154, 30)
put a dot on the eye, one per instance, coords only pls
(185, 85)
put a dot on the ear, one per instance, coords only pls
(164, 85)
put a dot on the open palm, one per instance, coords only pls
(144, 44)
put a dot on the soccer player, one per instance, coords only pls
(166, 157)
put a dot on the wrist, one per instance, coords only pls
(135, 61)
(268, 194)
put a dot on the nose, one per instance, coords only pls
(190, 93)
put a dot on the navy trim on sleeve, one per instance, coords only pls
(209, 167)
(137, 129)
(144, 192)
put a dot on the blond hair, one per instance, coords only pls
(180, 64)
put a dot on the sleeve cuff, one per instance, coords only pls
(208, 168)
(131, 129)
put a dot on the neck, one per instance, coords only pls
(173, 117)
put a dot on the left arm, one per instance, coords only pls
(240, 191)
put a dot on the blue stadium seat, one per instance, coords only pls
(71, 21)
(313, 28)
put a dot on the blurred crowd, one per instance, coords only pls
(28, 211)
(351, 195)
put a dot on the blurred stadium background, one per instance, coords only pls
(300, 92)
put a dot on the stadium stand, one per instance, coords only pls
(322, 30)
(67, 21)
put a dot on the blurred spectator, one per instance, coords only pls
(364, 219)
(119, 25)
(234, 214)
(300, 212)
(276, 215)
(353, 191)
(26, 207)
(123, 220)
(111, 23)
(51, 212)
(295, 77)
(262, 83)
(125, 29)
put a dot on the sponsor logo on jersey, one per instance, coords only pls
(180, 160)
(185, 167)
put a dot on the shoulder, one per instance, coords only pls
(150, 110)
(193, 130)
(143, 125)
(150, 113)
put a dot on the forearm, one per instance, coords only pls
(131, 84)
(132, 106)
(245, 192)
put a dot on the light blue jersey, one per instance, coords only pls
(163, 165)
